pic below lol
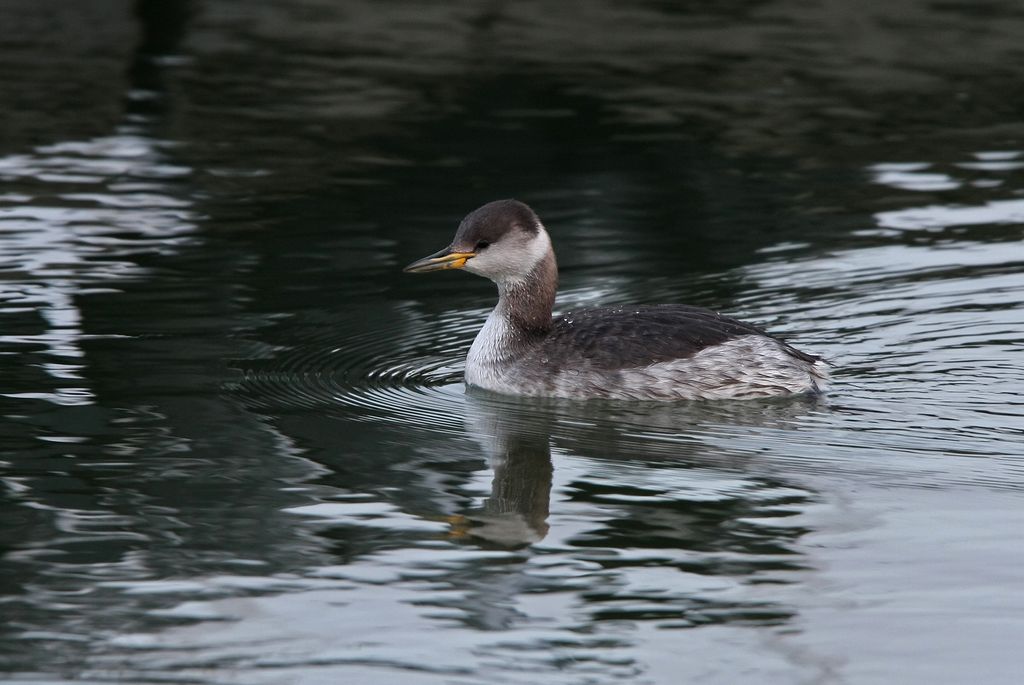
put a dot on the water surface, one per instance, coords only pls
(236, 447)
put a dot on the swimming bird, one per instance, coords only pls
(642, 352)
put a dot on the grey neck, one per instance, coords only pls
(526, 304)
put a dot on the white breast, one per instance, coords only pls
(487, 357)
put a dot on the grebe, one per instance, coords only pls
(653, 352)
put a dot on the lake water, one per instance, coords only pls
(235, 444)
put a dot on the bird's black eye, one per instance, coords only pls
(482, 244)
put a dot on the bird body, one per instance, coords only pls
(647, 352)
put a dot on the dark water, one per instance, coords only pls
(235, 445)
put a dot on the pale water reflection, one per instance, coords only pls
(235, 445)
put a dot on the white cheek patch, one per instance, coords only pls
(511, 261)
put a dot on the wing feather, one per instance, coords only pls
(613, 338)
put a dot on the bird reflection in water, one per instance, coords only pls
(516, 513)
(517, 436)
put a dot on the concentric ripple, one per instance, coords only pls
(405, 367)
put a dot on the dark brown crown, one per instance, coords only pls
(494, 220)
